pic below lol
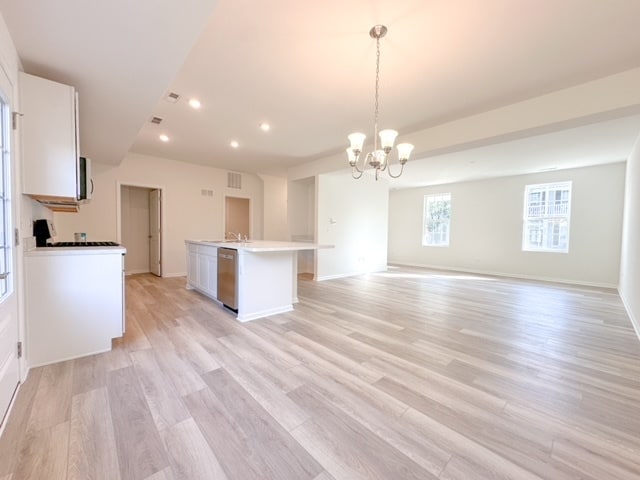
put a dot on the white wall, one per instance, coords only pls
(630, 255)
(134, 221)
(186, 213)
(301, 208)
(486, 228)
(275, 208)
(352, 215)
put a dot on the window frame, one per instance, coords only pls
(434, 197)
(6, 244)
(548, 219)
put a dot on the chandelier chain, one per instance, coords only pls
(375, 138)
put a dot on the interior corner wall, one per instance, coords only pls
(187, 213)
(486, 228)
(351, 215)
(275, 208)
(301, 203)
(629, 287)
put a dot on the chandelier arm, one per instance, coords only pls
(396, 176)
(353, 173)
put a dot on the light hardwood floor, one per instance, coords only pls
(409, 374)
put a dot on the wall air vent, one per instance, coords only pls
(234, 180)
(172, 97)
(156, 120)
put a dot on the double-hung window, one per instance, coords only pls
(547, 210)
(437, 220)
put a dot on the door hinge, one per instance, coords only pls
(19, 349)
(14, 119)
(16, 237)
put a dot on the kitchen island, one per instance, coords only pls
(265, 277)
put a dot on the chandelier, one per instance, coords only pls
(378, 158)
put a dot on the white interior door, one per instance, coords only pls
(9, 364)
(155, 208)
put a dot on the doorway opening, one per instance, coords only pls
(237, 217)
(141, 228)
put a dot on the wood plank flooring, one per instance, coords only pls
(408, 374)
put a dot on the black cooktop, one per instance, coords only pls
(83, 244)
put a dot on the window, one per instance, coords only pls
(437, 219)
(5, 205)
(547, 208)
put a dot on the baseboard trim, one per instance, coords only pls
(510, 275)
(170, 275)
(135, 272)
(345, 275)
(634, 321)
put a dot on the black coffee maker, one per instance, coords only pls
(43, 231)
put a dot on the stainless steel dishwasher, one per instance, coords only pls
(228, 278)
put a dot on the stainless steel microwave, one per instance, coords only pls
(85, 183)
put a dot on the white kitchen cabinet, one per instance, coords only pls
(192, 265)
(202, 269)
(74, 302)
(49, 138)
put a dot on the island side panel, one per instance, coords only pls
(265, 283)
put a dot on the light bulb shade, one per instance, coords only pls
(377, 159)
(404, 151)
(356, 141)
(352, 157)
(387, 137)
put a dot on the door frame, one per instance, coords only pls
(8, 85)
(163, 222)
(224, 213)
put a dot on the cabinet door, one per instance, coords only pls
(212, 281)
(203, 272)
(49, 137)
(192, 268)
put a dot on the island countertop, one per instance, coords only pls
(257, 246)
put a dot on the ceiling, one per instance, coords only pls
(308, 69)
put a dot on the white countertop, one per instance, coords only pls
(260, 245)
(31, 250)
(75, 251)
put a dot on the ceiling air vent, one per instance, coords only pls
(156, 120)
(234, 180)
(172, 97)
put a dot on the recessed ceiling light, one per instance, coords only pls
(164, 138)
(234, 144)
(194, 103)
(265, 127)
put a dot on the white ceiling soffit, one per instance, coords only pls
(121, 55)
(594, 144)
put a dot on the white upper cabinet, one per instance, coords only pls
(49, 139)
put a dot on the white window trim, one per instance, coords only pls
(548, 186)
(5, 202)
(424, 220)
